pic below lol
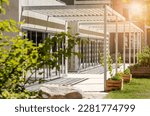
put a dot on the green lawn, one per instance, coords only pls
(136, 89)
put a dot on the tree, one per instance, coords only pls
(18, 56)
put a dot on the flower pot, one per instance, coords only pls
(140, 71)
(114, 85)
(127, 78)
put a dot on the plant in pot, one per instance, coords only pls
(142, 69)
(114, 82)
(127, 76)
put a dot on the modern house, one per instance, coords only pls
(95, 20)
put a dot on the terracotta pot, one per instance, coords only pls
(127, 78)
(114, 85)
(140, 71)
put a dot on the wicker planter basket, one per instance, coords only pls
(114, 85)
(127, 78)
(140, 71)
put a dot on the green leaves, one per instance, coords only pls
(54, 48)
(109, 63)
(127, 71)
(2, 3)
(19, 56)
(144, 57)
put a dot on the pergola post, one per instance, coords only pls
(137, 41)
(124, 49)
(145, 36)
(105, 46)
(140, 42)
(129, 43)
(116, 45)
(134, 37)
(66, 44)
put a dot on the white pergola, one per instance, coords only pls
(101, 16)
(120, 27)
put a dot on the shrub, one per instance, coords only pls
(144, 57)
(127, 71)
(117, 76)
(18, 56)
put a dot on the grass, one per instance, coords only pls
(136, 89)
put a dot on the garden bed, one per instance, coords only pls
(140, 71)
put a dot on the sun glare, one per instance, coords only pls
(136, 9)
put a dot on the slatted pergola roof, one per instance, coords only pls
(86, 14)
(77, 12)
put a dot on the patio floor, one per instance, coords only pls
(92, 84)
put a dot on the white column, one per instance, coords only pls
(137, 41)
(140, 42)
(134, 37)
(66, 45)
(62, 64)
(124, 49)
(145, 36)
(129, 43)
(105, 46)
(116, 45)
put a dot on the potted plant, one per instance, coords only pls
(114, 82)
(142, 69)
(127, 76)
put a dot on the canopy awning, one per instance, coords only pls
(77, 12)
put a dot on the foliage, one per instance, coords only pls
(144, 57)
(127, 71)
(16, 57)
(101, 59)
(119, 59)
(110, 68)
(19, 56)
(52, 58)
(2, 3)
(117, 76)
(109, 63)
(22, 56)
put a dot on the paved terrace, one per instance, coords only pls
(91, 82)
